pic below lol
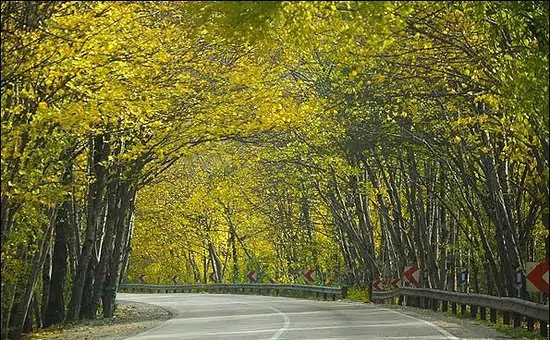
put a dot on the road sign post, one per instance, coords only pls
(463, 279)
(520, 281)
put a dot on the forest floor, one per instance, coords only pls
(131, 318)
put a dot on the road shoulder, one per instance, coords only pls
(461, 328)
(131, 318)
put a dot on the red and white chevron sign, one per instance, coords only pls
(376, 285)
(395, 283)
(251, 276)
(411, 274)
(175, 279)
(213, 277)
(310, 274)
(537, 276)
(141, 278)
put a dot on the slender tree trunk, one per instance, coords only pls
(36, 310)
(54, 309)
(46, 281)
(113, 205)
(121, 246)
(86, 301)
(21, 309)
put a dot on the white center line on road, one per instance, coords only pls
(286, 320)
(439, 329)
(286, 324)
(262, 315)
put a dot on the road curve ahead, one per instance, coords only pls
(246, 317)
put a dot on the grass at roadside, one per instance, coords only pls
(517, 333)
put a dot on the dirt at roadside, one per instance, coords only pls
(131, 318)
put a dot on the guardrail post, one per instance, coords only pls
(506, 318)
(344, 291)
(483, 313)
(435, 304)
(517, 320)
(444, 306)
(462, 309)
(400, 300)
(453, 307)
(473, 310)
(530, 324)
(543, 328)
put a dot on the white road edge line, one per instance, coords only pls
(439, 329)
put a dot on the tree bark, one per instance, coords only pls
(54, 310)
(21, 308)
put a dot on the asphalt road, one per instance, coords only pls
(245, 317)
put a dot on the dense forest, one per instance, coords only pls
(191, 141)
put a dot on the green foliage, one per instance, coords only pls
(358, 294)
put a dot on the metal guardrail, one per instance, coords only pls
(433, 298)
(418, 297)
(236, 288)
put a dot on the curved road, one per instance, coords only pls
(244, 317)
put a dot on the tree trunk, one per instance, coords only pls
(99, 153)
(54, 310)
(22, 307)
(85, 308)
(46, 280)
(113, 205)
(121, 247)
